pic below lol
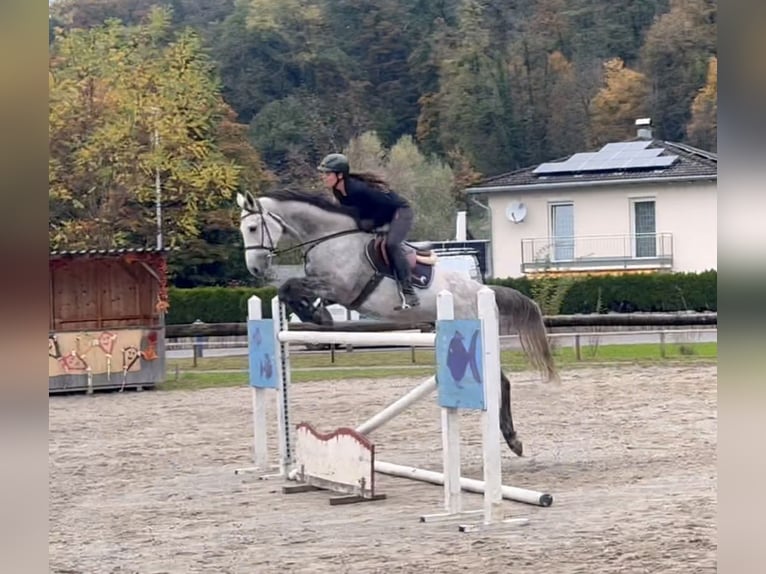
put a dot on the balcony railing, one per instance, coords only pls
(597, 252)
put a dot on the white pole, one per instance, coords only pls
(490, 416)
(401, 404)
(260, 444)
(450, 427)
(460, 226)
(359, 339)
(467, 484)
(158, 191)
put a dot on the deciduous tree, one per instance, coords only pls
(473, 108)
(126, 104)
(675, 57)
(622, 99)
(702, 128)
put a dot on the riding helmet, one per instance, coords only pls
(334, 162)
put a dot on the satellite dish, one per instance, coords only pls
(516, 212)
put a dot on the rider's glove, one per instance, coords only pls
(366, 224)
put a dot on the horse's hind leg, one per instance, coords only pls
(506, 420)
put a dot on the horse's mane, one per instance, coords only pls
(316, 199)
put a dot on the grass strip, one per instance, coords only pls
(232, 371)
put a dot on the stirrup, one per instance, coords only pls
(404, 305)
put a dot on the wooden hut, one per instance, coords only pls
(107, 328)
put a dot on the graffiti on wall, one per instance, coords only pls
(107, 352)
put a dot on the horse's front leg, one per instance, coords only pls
(307, 297)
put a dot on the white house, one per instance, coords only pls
(636, 206)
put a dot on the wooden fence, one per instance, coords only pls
(552, 322)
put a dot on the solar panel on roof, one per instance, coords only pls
(622, 146)
(638, 162)
(611, 157)
(647, 152)
(546, 168)
(665, 160)
(614, 163)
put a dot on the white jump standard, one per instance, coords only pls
(343, 461)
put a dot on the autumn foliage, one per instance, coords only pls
(129, 105)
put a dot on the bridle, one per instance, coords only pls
(265, 233)
(271, 247)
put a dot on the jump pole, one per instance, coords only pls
(358, 339)
(468, 484)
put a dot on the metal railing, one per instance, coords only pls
(597, 252)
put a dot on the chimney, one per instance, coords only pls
(644, 128)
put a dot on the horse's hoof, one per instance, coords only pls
(321, 317)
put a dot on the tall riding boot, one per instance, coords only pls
(402, 271)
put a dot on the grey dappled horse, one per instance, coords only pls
(346, 265)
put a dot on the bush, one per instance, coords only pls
(656, 292)
(659, 292)
(215, 304)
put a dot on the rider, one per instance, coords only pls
(376, 205)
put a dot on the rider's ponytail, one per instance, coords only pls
(372, 179)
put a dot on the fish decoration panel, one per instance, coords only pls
(459, 359)
(261, 348)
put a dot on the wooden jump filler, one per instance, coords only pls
(341, 461)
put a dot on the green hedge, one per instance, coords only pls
(215, 304)
(656, 292)
(660, 292)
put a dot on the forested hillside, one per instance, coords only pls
(434, 93)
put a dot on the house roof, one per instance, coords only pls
(690, 164)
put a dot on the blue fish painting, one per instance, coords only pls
(267, 367)
(459, 358)
(261, 354)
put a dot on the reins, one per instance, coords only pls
(272, 248)
(315, 242)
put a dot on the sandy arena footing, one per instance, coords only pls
(144, 482)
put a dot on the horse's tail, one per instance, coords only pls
(526, 318)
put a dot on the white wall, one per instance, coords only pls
(688, 211)
(693, 219)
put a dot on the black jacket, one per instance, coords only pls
(371, 203)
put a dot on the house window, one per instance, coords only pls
(562, 231)
(644, 225)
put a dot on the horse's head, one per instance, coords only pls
(261, 232)
(307, 217)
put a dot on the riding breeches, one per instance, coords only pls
(397, 232)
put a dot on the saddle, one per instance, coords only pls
(419, 255)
